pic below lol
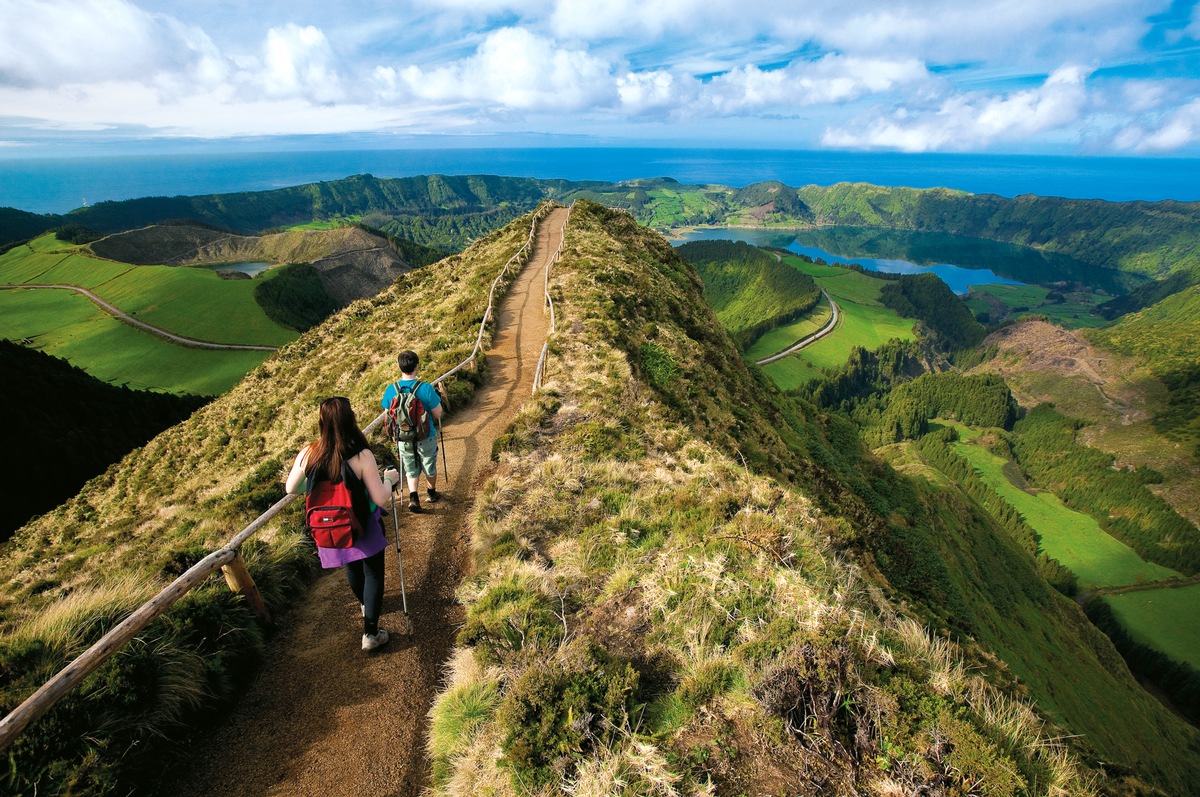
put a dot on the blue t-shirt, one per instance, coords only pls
(425, 392)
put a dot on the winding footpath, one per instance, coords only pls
(121, 315)
(323, 718)
(811, 339)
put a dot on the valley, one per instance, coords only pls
(709, 532)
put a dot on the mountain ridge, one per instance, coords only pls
(734, 560)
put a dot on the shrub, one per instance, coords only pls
(557, 715)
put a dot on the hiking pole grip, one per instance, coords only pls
(399, 558)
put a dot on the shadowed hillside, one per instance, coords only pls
(685, 581)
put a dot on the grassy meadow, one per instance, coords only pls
(66, 324)
(1164, 619)
(864, 322)
(1071, 537)
(781, 337)
(1077, 310)
(192, 302)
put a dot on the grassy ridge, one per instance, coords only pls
(69, 575)
(681, 532)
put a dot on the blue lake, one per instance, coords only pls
(959, 278)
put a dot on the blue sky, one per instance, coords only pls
(1092, 77)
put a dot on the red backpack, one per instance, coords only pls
(329, 510)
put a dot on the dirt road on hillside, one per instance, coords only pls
(324, 718)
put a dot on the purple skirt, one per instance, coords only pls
(370, 543)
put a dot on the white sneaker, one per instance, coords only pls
(376, 640)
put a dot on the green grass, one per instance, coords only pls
(1071, 537)
(328, 224)
(188, 301)
(1078, 309)
(1164, 619)
(864, 322)
(196, 303)
(780, 338)
(67, 325)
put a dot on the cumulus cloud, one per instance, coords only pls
(52, 42)
(831, 79)
(908, 74)
(1176, 129)
(298, 62)
(515, 69)
(973, 120)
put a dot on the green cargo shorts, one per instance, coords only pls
(420, 457)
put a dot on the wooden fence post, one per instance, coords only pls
(239, 580)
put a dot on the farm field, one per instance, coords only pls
(67, 325)
(1078, 309)
(1071, 537)
(780, 338)
(192, 302)
(1164, 619)
(864, 323)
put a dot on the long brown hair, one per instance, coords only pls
(339, 439)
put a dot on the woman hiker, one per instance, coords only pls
(341, 448)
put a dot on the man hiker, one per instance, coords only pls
(419, 455)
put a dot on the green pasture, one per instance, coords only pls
(1164, 619)
(864, 322)
(329, 224)
(672, 208)
(1071, 537)
(191, 302)
(23, 264)
(778, 339)
(196, 303)
(1078, 309)
(65, 324)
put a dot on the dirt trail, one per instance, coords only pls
(324, 717)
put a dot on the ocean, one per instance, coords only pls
(58, 185)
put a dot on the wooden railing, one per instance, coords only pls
(226, 558)
(540, 373)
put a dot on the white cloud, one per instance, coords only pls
(517, 70)
(831, 79)
(298, 62)
(1178, 129)
(973, 121)
(52, 42)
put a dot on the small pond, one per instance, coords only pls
(253, 269)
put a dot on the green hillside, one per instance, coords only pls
(751, 290)
(1167, 337)
(710, 588)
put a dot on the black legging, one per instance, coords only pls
(366, 582)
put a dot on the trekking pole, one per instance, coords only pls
(399, 558)
(442, 445)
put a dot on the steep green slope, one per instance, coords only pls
(70, 427)
(664, 504)
(1167, 336)
(751, 290)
